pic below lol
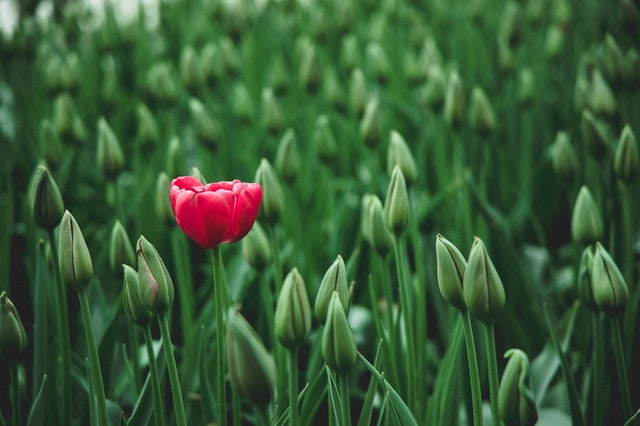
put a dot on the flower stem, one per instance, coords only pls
(293, 387)
(15, 395)
(622, 370)
(182, 257)
(220, 352)
(474, 376)
(598, 371)
(94, 361)
(343, 383)
(172, 369)
(158, 409)
(492, 364)
(281, 382)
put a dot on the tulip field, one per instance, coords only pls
(332, 212)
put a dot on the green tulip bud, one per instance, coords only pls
(13, 339)
(601, 98)
(365, 217)
(584, 281)
(241, 102)
(450, 269)
(46, 202)
(610, 291)
(615, 64)
(563, 156)
(66, 121)
(381, 237)
(334, 281)
(481, 115)
(627, 159)
(162, 203)
(371, 123)
(586, 221)
(396, 205)
(231, 56)
(287, 157)
(482, 287)
(256, 247)
(76, 268)
(272, 116)
(562, 13)
(50, 144)
(377, 61)
(506, 60)
(515, 401)
(293, 312)
(430, 58)
(454, 101)
(594, 136)
(554, 40)
(435, 89)
(196, 173)
(155, 284)
(580, 93)
(527, 88)
(161, 84)
(212, 62)
(206, 128)
(176, 163)
(399, 153)
(252, 370)
(349, 52)
(278, 76)
(121, 250)
(131, 303)
(191, 71)
(324, 139)
(110, 156)
(338, 345)
(357, 92)
(310, 71)
(272, 194)
(148, 133)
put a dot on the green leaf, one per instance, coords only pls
(334, 400)
(203, 375)
(313, 397)
(37, 413)
(143, 408)
(367, 406)
(634, 420)
(40, 347)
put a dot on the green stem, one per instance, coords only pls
(262, 419)
(181, 255)
(281, 382)
(343, 383)
(132, 340)
(474, 375)
(236, 408)
(96, 371)
(220, 310)
(622, 370)
(15, 395)
(492, 364)
(62, 324)
(293, 387)
(277, 265)
(598, 370)
(172, 369)
(158, 409)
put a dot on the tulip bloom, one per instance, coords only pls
(216, 213)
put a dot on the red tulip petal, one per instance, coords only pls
(248, 199)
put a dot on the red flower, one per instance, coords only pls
(216, 213)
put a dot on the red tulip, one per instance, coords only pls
(216, 213)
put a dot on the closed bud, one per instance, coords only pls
(132, 306)
(357, 92)
(396, 205)
(626, 160)
(371, 123)
(212, 62)
(482, 287)
(206, 128)
(610, 290)
(365, 217)
(50, 144)
(278, 76)
(379, 234)
(506, 60)
(66, 121)
(586, 221)
(527, 88)
(160, 83)
(121, 250)
(454, 102)
(310, 71)
(272, 194)
(338, 345)
(46, 202)
(287, 157)
(148, 133)
(76, 268)
(155, 285)
(580, 92)
(601, 99)
(191, 72)
(515, 401)
(615, 64)
(349, 52)
(563, 156)
(511, 24)
(399, 154)
(450, 269)
(196, 173)
(435, 88)
(334, 281)
(110, 156)
(162, 203)
(324, 139)
(584, 281)
(293, 312)
(13, 339)
(256, 247)
(231, 56)
(241, 102)
(252, 370)
(593, 135)
(554, 41)
(272, 117)
(377, 61)
(481, 115)
(176, 163)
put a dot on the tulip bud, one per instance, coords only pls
(435, 89)
(506, 61)
(230, 55)
(161, 84)
(66, 121)
(272, 117)
(131, 303)
(206, 128)
(377, 61)
(371, 123)
(357, 92)
(256, 247)
(110, 156)
(324, 139)
(176, 164)
(627, 160)
(241, 102)
(365, 217)
(212, 62)
(272, 194)
(156, 286)
(526, 86)
(278, 76)
(399, 153)
(338, 345)
(380, 235)
(334, 281)
(554, 40)
(252, 370)
(511, 24)
(610, 291)
(293, 312)
(563, 156)
(121, 250)
(287, 157)
(584, 281)
(482, 288)
(601, 98)
(454, 101)
(76, 267)
(481, 115)
(349, 52)
(310, 71)
(586, 221)
(450, 269)
(46, 202)
(162, 203)
(50, 145)
(615, 64)
(13, 339)
(515, 401)
(191, 71)
(196, 173)
(396, 205)
(593, 135)
(148, 133)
